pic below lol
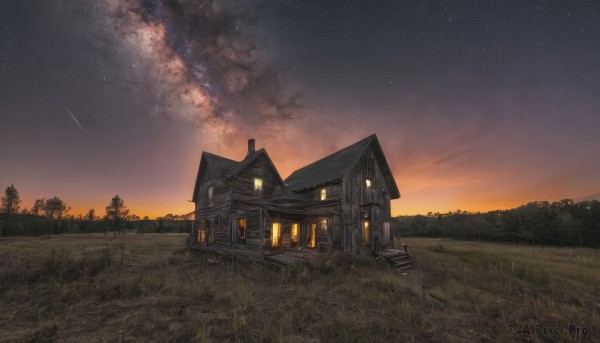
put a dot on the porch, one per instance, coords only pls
(280, 258)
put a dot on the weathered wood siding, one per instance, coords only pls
(234, 199)
(243, 182)
(243, 200)
(221, 196)
(252, 214)
(213, 220)
(356, 198)
(343, 208)
(333, 192)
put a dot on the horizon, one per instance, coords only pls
(477, 107)
(83, 211)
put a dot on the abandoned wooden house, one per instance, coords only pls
(341, 201)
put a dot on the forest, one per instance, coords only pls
(52, 216)
(560, 223)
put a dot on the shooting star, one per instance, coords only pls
(72, 116)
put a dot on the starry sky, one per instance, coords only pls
(478, 105)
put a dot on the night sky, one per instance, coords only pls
(478, 105)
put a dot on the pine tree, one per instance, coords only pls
(117, 212)
(11, 202)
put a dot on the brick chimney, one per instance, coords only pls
(251, 146)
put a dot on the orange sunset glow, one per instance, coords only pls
(129, 97)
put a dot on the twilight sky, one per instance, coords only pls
(478, 105)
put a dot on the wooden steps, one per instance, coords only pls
(398, 259)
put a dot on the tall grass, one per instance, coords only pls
(146, 288)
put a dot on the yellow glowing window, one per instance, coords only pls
(242, 228)
(258, 187)
(365, 231)
(295, 233)
(368, 183)
(312, 238)
(276, 234)
(323, 193)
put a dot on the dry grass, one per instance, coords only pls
(147, 288)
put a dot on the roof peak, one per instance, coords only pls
(370, 137)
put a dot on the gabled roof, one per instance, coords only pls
(249, 159)
(216, 166)
(335, 166)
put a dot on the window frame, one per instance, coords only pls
(276, 243)
(295, 233)
(323, 194)
(323, 224)
(365, 232)
(311, 240)
(258, 187)
(241, 220)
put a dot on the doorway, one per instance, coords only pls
(311, 241)
(276, 234)
(241, 230)
(366, 232)
(295, 234)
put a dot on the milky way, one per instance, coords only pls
(477, 105)
(204, 63)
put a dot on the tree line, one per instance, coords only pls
(560, 223)
(51, 216)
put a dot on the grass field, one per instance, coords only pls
(80, 288)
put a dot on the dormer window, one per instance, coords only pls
(323, 193)
(368, 183)
(211, 193)
(258, 187)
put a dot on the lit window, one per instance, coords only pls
(242, 230)
(368, 183)
(312, 237)
(295, 233)
(258, 187)
(365, 231)
(276, 234)
(323, 193)
(211, 193)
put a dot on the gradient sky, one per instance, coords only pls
(478, 105)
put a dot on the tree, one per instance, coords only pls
(54, 210)
(117, 212)
(11, 202)
(90, 215)
(38, 207)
